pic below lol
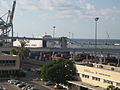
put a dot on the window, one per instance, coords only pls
(7, 62)
(117, 84)
(85, 76)
(108, 81)
(95, 78)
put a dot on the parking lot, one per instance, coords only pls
(8, 86)
(30, 79)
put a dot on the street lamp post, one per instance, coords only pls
(54, 31)
(96, 19)
(69, 34)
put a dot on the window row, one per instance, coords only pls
(98, 79)
(85, 76)
(7, 71)
(108, 81)
(7, 61)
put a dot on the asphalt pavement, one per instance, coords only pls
(8, 86)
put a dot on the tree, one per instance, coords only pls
(111, 87)
(22, 51)
(13, 52)
(58, 71)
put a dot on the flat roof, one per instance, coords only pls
(105, 67)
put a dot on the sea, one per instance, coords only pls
(101, 43)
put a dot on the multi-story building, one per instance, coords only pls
(9, 65)
(96, 77)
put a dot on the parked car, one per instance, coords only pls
(12, 81)
(27, 87)
(21, 84)
(18, 82)
(32, 88)
(2, 88)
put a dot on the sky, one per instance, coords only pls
(72, 18)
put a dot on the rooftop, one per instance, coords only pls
(100, 66)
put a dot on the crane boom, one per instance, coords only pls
(12, 12)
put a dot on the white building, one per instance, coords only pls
(96, 77)
(29, 43)
(39, 43)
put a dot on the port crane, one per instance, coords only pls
(6, 26)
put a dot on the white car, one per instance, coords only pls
(20, 84)
(32, 88)
(12, 81)
(28, 86)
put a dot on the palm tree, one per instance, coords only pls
(23, 52)
(13, 52)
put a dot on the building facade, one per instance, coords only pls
(96, 77)
(9, 65)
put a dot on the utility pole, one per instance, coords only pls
(69, 34)
(54, 31)
(72, 35)
(96, 19)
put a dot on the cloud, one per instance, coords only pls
(27, 5)
(89, 6)
(109, 11)
(4, 4)
(61, 8)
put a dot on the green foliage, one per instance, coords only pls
(22, 43)
(111, 87)
(13, 51)
(23, 52)
(58, 71)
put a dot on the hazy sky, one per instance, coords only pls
(37, 17)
